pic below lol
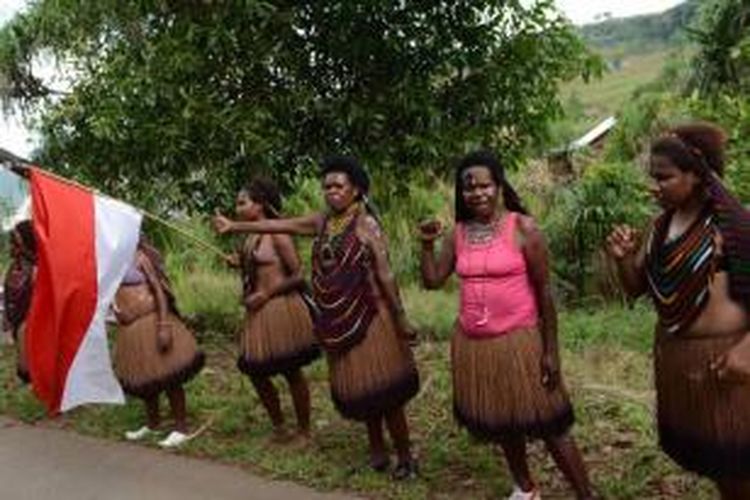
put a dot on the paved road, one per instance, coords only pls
(49, 464)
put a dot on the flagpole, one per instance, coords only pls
(21, 167)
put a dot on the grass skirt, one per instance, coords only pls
(375, 376)
(278, 338)
(704, 423)
(497, 388)
(145, 372)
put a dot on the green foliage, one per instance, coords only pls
(723, 59)
(585, 212)
(639, 120)
(168, 93)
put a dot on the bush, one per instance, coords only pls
(585, 212)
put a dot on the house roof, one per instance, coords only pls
(595, 133)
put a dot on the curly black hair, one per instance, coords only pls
(351, 167)
(264, 190)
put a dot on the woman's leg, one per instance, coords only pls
(514, 448)
(152, 412)
(398, 428)
(378, 453)
(568, 459)
(177, 403)
(269, 396)
(301, 399)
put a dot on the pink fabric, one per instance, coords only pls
(496, 294)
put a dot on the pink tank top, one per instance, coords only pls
(496, 294)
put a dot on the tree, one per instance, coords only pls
(168, 92)
(723, 59)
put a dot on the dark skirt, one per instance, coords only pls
(278, 338)
(498, 391)
(704, 423)
(376, 376)
(143, 371)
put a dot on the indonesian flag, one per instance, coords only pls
(85, 243)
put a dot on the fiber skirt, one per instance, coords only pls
(704, 423)
(143, 371)
(278, 338)
(498, 391)
(375, 376)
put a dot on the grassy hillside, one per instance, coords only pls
(606, 96)
(642, 33)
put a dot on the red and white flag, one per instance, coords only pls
(85, 243)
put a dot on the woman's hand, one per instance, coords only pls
(430, 230)
(550, 364)
(406, 330)
(232, 260)
(256, 300)
(164, 336)
(222, 225)
(734, 365)
(622, 242)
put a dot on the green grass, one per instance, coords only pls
(605, 361)
(607, 95)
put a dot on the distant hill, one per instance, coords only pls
(642, 33)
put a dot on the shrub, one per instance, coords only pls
(585, 212)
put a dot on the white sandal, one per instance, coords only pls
(175, 439)
(519, 494)
(139, 434)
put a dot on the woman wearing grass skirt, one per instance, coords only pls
(154, 350)
(361, 323)
(504, 352)
(18, 286)
(695, 264)
(278, 335)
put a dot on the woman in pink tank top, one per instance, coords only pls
(506, 370)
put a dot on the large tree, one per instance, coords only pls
(722, 63)
(168, 93)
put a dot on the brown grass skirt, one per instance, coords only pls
(145, 372)
(497, 388)
(22, 361)
(704, 423)
(278, 338)
(375, 376)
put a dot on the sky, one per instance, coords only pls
(14, 137)
(586, 11)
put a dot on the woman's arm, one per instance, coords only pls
(537, 264)
(622, 245)
(370, 231)
(436, 272)
(284, 246)
(163, 332)
(306, 225)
